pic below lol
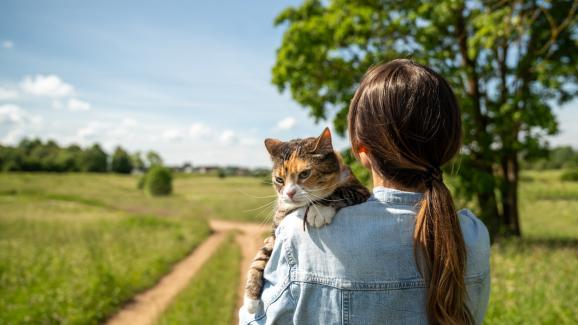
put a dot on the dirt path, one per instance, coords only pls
(250, 239)
(149, 305)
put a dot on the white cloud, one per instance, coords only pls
(56, 104)
(172, 134)
(228, 137)
(109, 133)
(91, 130)
(46, 85)
(200, 131)
(128, 122)
(6, 93)
(122, 131)
(19, 122)
(8, 44)
(250, 141)
(287, 123)
(78, 105)
(13, 137)
(12, 114)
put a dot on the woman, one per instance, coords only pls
(405, 256)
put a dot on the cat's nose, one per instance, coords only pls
(291, 193)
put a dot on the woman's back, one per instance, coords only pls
(361, 269)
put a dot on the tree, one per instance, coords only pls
(508, 62)
(153, 159)
(121, 161)
(74, 161)
(94, 159)
(137, 162)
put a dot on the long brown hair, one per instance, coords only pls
(406, 117)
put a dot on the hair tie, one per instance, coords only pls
(431, 174)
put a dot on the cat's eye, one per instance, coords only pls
(304, 174)
(279, 180)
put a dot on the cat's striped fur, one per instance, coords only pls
(307, 173)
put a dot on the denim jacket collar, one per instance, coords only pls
(390, 195)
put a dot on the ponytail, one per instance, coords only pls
(407, 118)
(441, 254)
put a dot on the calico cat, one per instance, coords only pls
(307, 173)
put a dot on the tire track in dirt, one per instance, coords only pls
(147, 306)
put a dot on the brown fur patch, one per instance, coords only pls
(299, 155)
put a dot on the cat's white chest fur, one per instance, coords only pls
(320, 215)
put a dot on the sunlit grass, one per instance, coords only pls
(548, 206)
(67, 257)
(235, 198)
(534, 278)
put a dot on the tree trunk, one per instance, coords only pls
(489, 209)
(510, 170)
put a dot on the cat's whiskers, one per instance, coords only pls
(266, 205)
(325, 187)
(321, 189)
(324, 199)
(269, 213)
(268, 219)
(265, 216)
(256, 197)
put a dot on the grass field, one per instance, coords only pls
(74, 247)
(231, 198)
(534, 279)
(209, 299)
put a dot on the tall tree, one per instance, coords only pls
(153, 159)
(508, 61)
(94, 159)
(121, 161)
(137, 162)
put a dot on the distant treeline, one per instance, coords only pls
(36, 155)
(562, 157)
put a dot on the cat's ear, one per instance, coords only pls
(323, 143)
(273, 146)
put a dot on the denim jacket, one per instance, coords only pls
(360, 269)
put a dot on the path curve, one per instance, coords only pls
(147, 306)
(250, 240)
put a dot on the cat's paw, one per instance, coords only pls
(320, 215)
(252, 305)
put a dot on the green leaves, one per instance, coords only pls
(507, 64)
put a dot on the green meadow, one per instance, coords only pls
(534, 279)
(74, 248)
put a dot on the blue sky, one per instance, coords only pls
(188, 79)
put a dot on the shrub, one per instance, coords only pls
(158, 181)
(142, 181)
(570, 175)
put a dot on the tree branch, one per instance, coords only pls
(556, 30)
(470, 67)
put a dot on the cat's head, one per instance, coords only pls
(304, 170)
